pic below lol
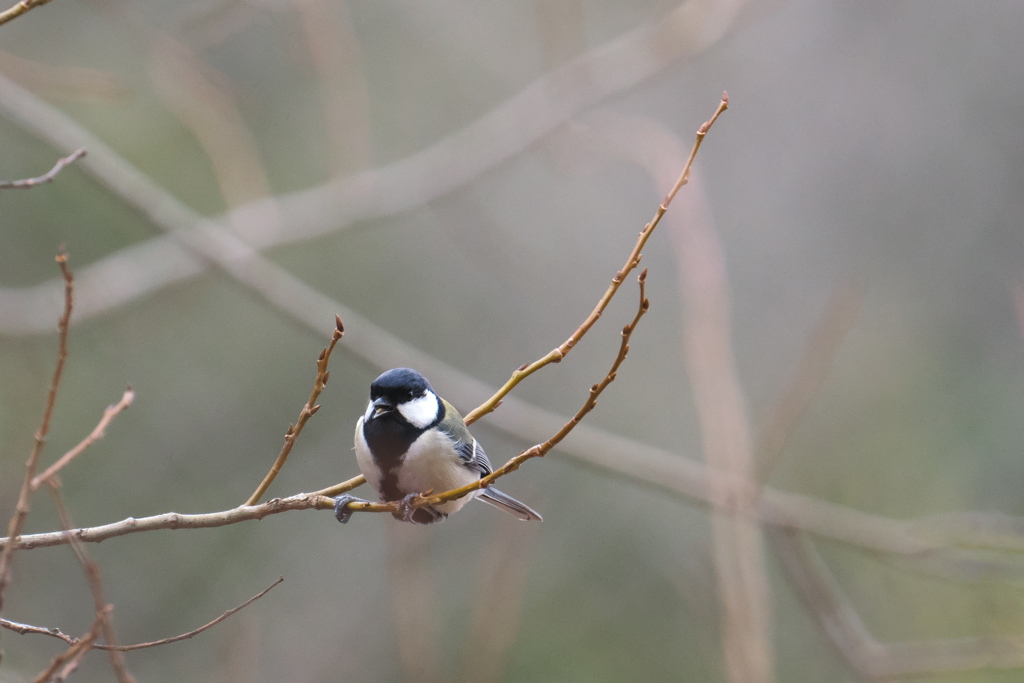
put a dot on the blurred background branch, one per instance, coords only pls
(746, 619)
(874, 659)
(435, 171)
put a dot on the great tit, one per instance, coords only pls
(409, 441)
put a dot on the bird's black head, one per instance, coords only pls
(404, 395)
(400, 385)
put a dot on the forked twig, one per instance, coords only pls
(308, 411)
(46, 177)
(540, 450)
(17, 522)
(557, 354)
(98, 433)
(72, 655)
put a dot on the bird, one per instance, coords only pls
(411, 441)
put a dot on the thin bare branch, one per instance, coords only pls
(19, 9)
(195, 632)
(46, 177)
(98, 433)
(17, 522)
(28, 629)
(684, 177)
(57, 633)
(173, 520)
(557, 354)
(308, 410)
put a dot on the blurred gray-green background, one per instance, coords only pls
(873, 141)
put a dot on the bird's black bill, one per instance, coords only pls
(381, 406)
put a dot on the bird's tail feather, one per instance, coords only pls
(509, 504)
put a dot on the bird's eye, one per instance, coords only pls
(410, 396)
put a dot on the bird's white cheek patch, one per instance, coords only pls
(421, 411)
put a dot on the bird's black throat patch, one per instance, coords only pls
(389, 439)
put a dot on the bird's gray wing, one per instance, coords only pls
(472, 455)
(469, 450)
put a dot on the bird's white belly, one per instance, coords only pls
(365, 459)
(429, 464)
(432, 464)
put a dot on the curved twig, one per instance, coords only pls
(308, 411)
(46, 177)
(71, 640)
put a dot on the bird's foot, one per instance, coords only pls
(417, 515)
(341, 511)
(406, 509)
